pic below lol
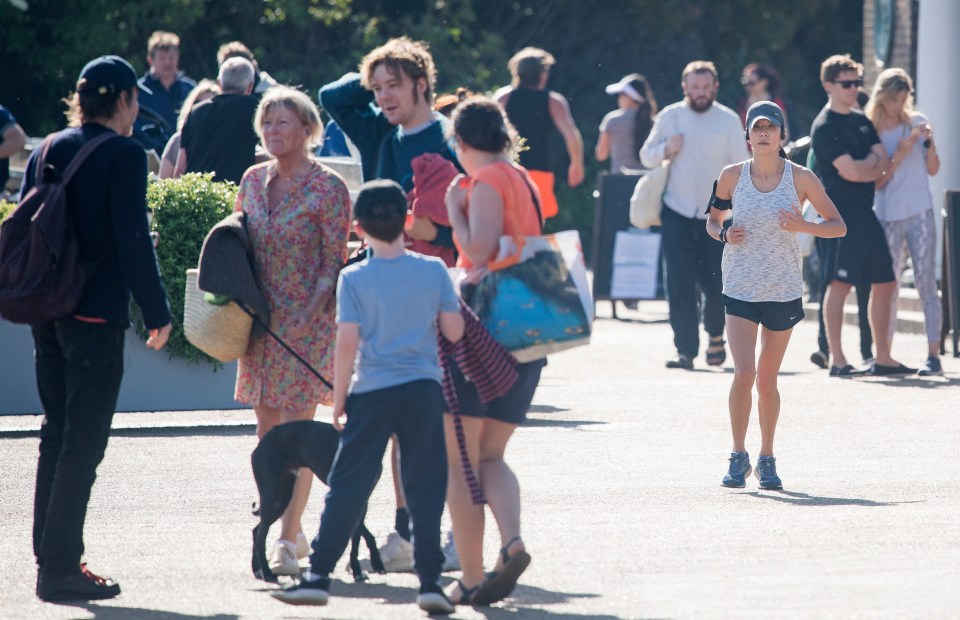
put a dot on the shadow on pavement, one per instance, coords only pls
(210, 430)
(914, 381)
(136, 613)
(496, 613)
(546, 409)
(388, 594)
(535, 423)
(803, 499)
(632, 320)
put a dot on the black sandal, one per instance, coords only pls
(716, 358)
(466, 594)
(500, 584)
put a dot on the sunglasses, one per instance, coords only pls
(747, 82)
(849, 83)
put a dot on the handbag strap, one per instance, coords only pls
(509, 213)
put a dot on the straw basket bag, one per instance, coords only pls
(220, 331)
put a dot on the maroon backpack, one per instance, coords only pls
(42, 276)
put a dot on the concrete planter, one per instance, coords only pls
(151, 381)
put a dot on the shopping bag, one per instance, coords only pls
(806, 240)
(535, 300)
(647, 200)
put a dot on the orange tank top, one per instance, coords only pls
(516, 190)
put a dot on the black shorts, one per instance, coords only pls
(511, 407)
(777, 316)
(861, 257)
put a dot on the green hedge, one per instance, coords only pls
(184, 211)
(6, 208)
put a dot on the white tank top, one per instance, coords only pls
(768, 265)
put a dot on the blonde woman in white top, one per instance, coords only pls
(762, 281)
(903, 202)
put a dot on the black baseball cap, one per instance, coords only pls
(381, 199)
(767, 110)
(109, 74)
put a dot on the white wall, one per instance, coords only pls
(938, 89)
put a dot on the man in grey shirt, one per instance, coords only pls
(699, 136)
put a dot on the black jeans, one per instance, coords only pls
(414, 411)
(692, 269)
(79, 368)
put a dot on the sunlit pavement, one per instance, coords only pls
(624, 515)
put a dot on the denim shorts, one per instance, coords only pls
(777, 316)
(512, 407)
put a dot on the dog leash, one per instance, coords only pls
(476, 491)
(283, 344)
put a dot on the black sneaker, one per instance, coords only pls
(432, 599)
(820, 359)
(315, 592)
(83, 586)
(681, 361)
(931, 367)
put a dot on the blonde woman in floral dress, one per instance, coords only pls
(298, 218)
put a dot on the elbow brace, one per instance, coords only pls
(720, 204)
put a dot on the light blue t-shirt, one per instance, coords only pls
(396, 302)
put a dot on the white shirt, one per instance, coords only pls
(711, 140)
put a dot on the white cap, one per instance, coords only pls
(624, 86)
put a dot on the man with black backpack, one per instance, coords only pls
(79, 357)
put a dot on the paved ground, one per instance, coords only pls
(624, 514)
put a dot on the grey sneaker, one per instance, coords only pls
(931, 367)
(397, 554)
(451, 561)
(284, 559)
(739, 470)
(303, 546)
(767, 473)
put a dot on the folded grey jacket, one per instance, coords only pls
(226, 265)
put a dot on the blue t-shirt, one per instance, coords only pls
(396, 302)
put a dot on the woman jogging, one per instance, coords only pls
(762, 282)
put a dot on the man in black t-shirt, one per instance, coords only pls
(218, 136)
(849, 159)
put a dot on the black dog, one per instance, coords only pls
(276, 460)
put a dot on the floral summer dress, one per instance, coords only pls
(303, 239)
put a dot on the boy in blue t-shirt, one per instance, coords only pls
(387, 381)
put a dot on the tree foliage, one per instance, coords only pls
(310, 42)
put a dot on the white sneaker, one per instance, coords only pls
(303, 546)
(435, 603)
(283, 561)
(397, 554)
(451, 561)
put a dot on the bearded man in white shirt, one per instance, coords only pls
(700, 137)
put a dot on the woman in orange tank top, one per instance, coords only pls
(497, 198)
